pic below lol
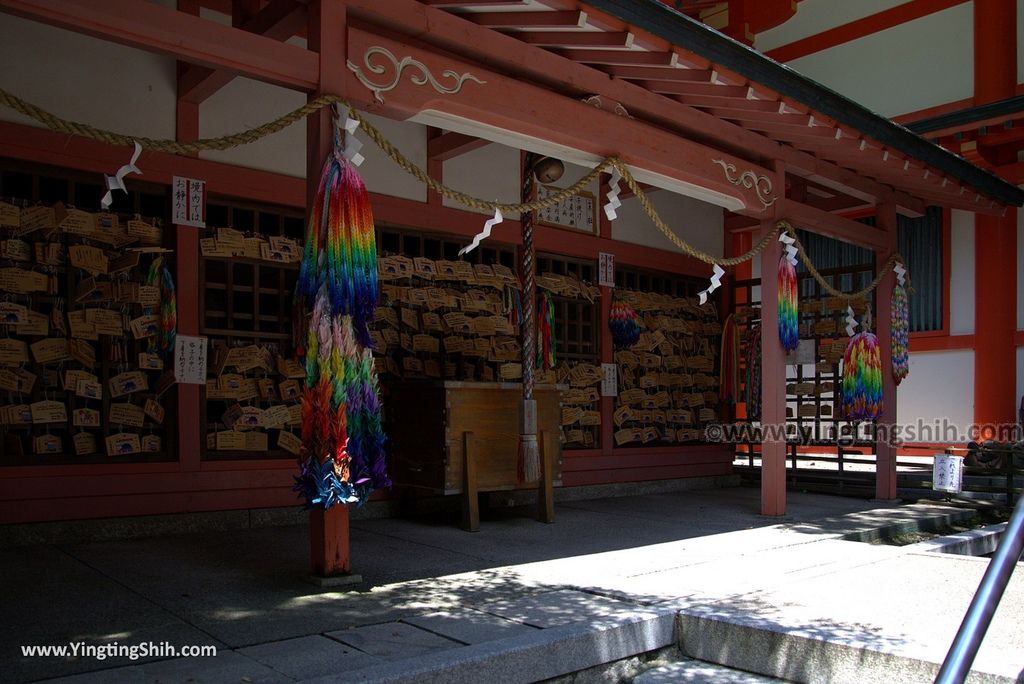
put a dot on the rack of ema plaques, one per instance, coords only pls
(453, 437)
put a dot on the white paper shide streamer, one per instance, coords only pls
(116, 182)
(613, 202)
(901, 274)
(483, 234)
(352, 143)
(716, 282)
(791, 252)
(851, 322)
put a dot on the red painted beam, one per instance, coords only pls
(697, 88)
(530, 112)
(46, 147)
(727, 106)
(832, 225)
(766, 14)
(154, 28)
(620, 57)
(458, 4)
(450, 145)
(860, 28)
(577, 39)
(457, 35)
(654, 73)
(923, 342)
(279, 20)
(771, 115)
(534, 20)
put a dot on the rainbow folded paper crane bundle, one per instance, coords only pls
(900, 334)
(789, 334)
(623, 324)
(342, 458)
(159, 276)
(862, 378)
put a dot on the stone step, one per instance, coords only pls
(837, 654)
(700, 672)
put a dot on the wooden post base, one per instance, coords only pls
(545, 486)
(328, 542)
(470, 495)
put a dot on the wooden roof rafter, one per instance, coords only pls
(716, 87)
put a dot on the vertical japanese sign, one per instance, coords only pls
(188, 202)
(948, 473)
(606, 270)
(190, 360)
(609, 380)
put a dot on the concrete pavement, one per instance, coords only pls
(518, 601)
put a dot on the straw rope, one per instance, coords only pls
(60, 125)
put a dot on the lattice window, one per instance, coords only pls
(248, 300)
(577, 335)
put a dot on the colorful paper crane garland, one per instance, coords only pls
(162, 343)
(623, 324)
(862, 378)
(342, 457)
(900, 327)
(752, 381)
(546, 357)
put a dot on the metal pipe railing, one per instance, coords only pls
(983, 606)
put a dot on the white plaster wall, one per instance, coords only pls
(244, 103)
(81, 78)
(961, 273)
(383, 175)
(940, 386)
(814, 16)
(905, 68)
(490, 173)
(699, 223)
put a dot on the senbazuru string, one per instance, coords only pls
(159, 276)
(342, 457)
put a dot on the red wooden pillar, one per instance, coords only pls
(738, 27)
(190, 432)
(885, 451)
(738, 243)
(327, 35)
(995, 71)
(607, 406)
(773, 384)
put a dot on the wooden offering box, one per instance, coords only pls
(431, 423)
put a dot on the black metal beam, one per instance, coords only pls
(964, 117)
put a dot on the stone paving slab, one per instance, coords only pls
(227, 666)
(247, 589)
(529, 657)
(307, 657)
(556, 608)
(469, 626)
(891, 620)
(48, 597)
(393, 640)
